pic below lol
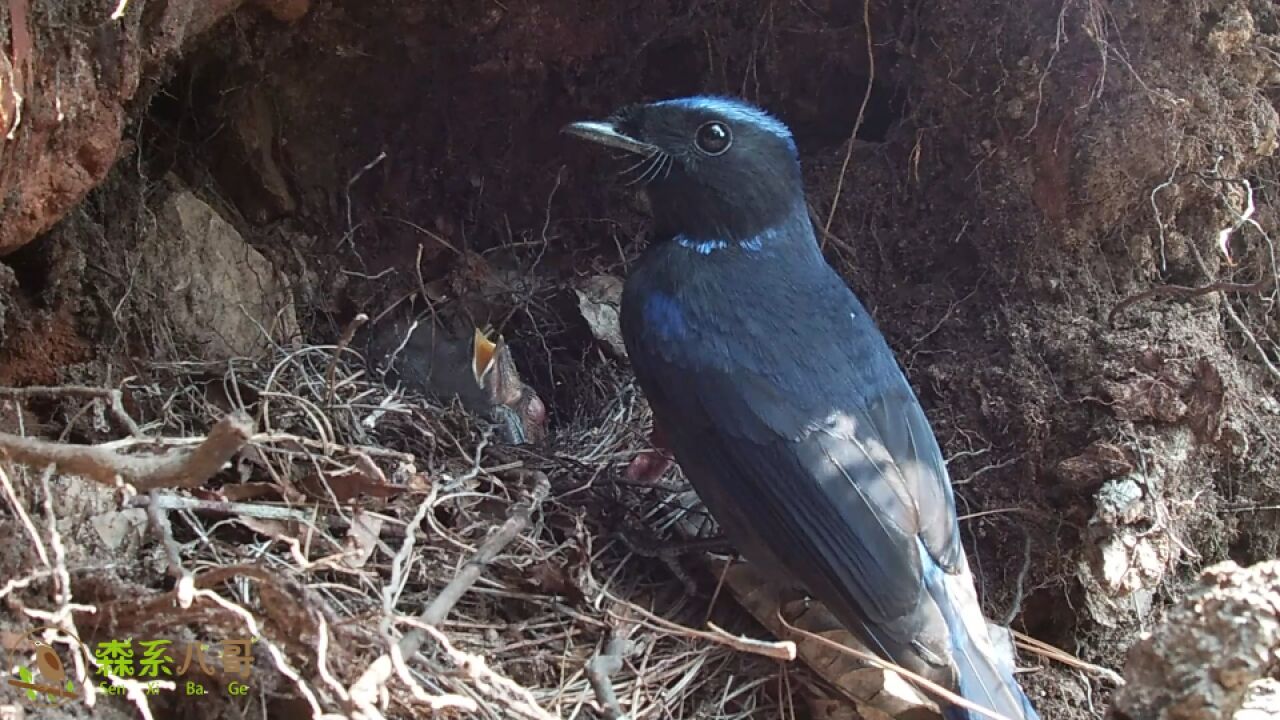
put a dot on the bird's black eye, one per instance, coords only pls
(713, 137)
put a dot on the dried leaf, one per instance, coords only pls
(871, 689)
(348, 486)
(362, 539)
(118, 529)
(822, 707)
(551, 579)
(283, 530)
(599, 300)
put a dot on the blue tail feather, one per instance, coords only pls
(986, 681)
(985, 678)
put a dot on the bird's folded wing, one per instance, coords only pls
(845, 497)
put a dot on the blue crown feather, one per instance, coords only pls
(734, 110)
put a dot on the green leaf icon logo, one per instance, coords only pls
(25, 676)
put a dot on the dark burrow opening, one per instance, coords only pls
(473, 170)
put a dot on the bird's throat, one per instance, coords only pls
(786, 231)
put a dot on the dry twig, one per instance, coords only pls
(177, 469)
(857, 124)
(340, 348)
(783, 650)
(920, 681)
(520, 517)
(600, 672)
(1181, 292)
(364, 690)
(1045, 650)
(166, 501)
(322, 428)
(114, 398)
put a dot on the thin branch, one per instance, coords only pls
(364, 690)
(922, 682)
(359, 174)
(343, 342)
(174, 469)
(1240, 324)
(600, 672)
(114, 398)
(1019, 586)
(783, 650)
(1183, 292)
(167, 501)
(1045, 650)
(514, 698)
(521, 516)
(159, 518)
(857, 124)
(11, 494)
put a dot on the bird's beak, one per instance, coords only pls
(606, 134)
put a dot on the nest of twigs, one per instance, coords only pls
(389, 557)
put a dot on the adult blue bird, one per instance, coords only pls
(783, 403)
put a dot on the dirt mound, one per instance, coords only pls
(1229, 621)
(1059, 215)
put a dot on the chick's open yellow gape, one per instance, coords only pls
(483, 353)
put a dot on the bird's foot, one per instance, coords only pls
(669, 553)
(649, 466)
(671, 549)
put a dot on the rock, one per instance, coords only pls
(63, 102)
(253, 178)
(1129, 550)
(1261, 702)
(1215, 654)
(224, 299)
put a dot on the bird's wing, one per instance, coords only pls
(845, 496)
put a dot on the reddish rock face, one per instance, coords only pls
(63, 105)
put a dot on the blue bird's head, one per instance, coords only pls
(715, 169)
